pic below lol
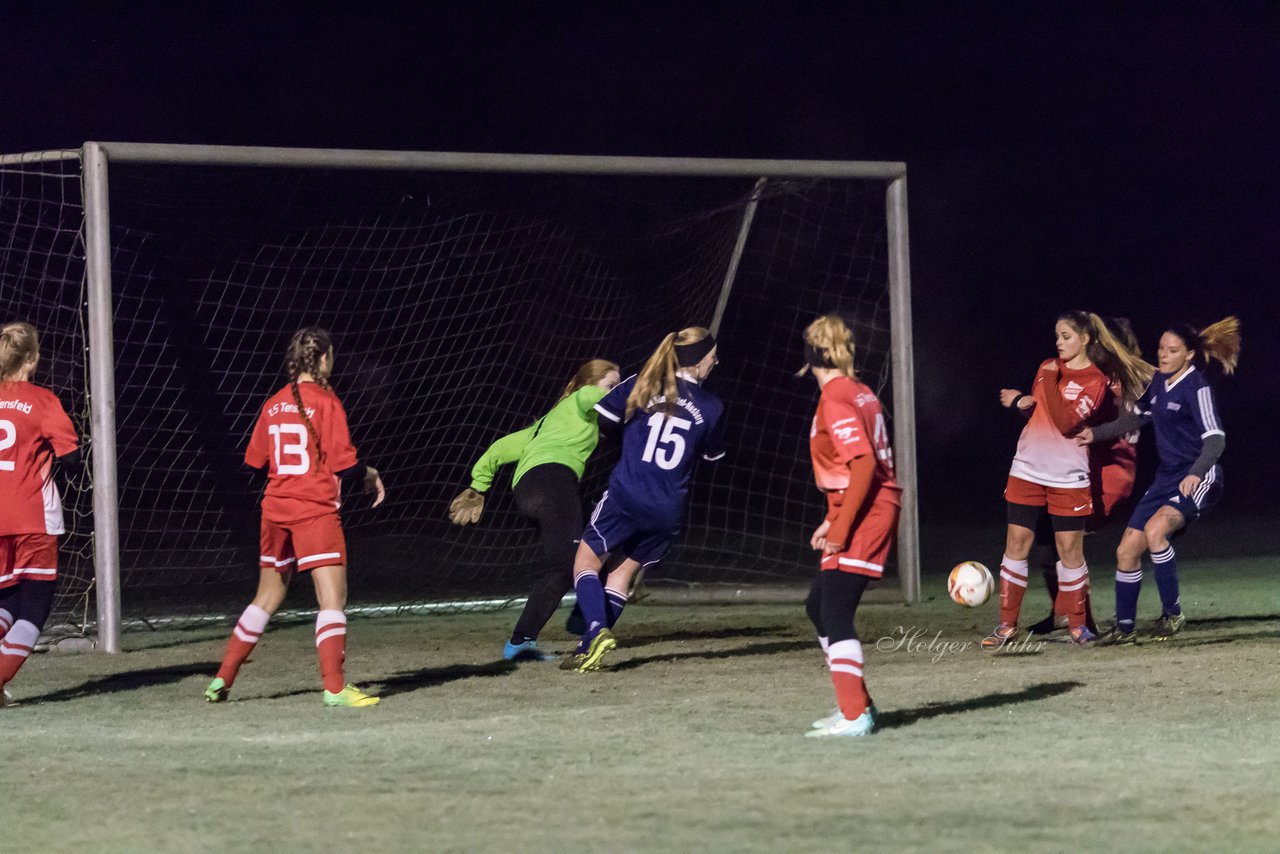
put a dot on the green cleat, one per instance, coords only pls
(601, 645)
(1115, 637)
(217, 691)
(350, 697)
(1167, 626)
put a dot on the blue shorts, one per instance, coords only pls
(614, 531)
(1164, 493)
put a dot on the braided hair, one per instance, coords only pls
(307, 347)
(19, 344)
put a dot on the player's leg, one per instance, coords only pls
(1025, 501)
(331, 638)
(34, 601)
(1044, 557)
(1073, 576)
(617, 588)
(838, 603)
(1159, 530)
(813, 609)
(548, 494)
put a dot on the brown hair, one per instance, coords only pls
(1119, 361)
(831, 335)
(658, 376)
(19, 344)
(590, 373)
(307, 347)
(1219, 341)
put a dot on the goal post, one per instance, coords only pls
(718, 233)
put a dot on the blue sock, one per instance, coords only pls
(614, 603)
(1167, 581)
(1128, 584)
(591, 600)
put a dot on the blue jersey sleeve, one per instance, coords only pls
(713, 444)
(1206, 414)
(613, 406)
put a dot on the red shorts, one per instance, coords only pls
(302, 545)
(1061, 500)
(873, 535)
(30, 557)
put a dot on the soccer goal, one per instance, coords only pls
(462, 291)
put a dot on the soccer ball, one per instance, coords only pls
(970, 584)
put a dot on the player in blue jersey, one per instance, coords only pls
(668, 422)
(1189, 440)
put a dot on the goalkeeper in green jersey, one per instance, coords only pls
(550, 456)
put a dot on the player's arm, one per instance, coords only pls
(468, 505)
(352, 474)
(861, 472)
(713, 446)
(1018, 401)
(612, 408)
(364, 478)
(1069, 416)
(1213, 437)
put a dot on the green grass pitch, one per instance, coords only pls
(692, 742)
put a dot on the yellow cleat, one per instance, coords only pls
(350, 697)
(601, 645)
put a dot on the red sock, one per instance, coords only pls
(1073, 587)
(845, 661)
(331, 647)
(1013, 586)
(14, 649)
(244, 637)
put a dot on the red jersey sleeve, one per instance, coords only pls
(844, 422)
(339, 452)
(258, 454)
(57, 428)
(1073, 398)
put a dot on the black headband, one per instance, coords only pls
(816, 357)
(688, 355)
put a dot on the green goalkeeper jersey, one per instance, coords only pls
(566, 435)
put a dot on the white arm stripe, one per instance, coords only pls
(1207, 413)
(607, 414)
(1206, 434)
(713, 459)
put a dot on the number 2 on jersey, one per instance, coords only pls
(665, 446)
(281, 433)
(8, 438)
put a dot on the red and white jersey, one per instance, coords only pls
(34, 428)
(1066, 400)
(850, 423)
(301, 479)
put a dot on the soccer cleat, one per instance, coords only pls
(1114, 636)
(217, 691)
(350, 697)
(999, 636)
(863, 724)
(6, 698)
(1081, 636)
(1167, 626)
(601, 645)
(1048, 625)
(573, 662)
(527, 651)
(836, 716)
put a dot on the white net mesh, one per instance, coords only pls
(460, 305)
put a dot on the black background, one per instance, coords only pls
(1117, 158)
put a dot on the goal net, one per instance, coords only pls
(460, 304)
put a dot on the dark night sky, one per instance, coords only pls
(1122, 160)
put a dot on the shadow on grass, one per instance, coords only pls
(633, 641)
(1209, 622)
(409, 681)
(1043, 691)
(751, 649)
(1182, 641)
(129, 680)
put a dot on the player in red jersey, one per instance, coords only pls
(853, 465)
(34, 432)
(301, 439)
(1112, 471)
(1049, 469)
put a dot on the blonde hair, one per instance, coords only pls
(19, 344)
(591, 372)
(1219, 341)
(1121, 362)
(658, 376)
(832, 337)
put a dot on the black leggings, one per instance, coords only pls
(832, 603)
(548, 495)
(29, 600)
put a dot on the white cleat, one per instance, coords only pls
(834, 718)
(863, 724)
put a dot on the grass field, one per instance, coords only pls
(692, 742)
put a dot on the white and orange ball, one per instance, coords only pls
(970, 584)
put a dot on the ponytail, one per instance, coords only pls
(1221, 341)
(829, 341)
(657, 379)
(307, 347)
(1120, 360)
(19, 344)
